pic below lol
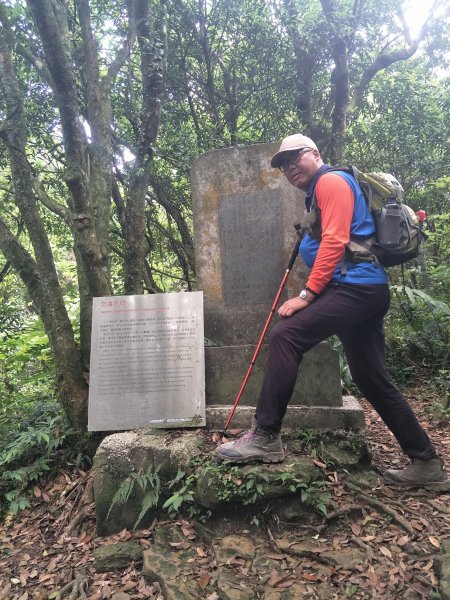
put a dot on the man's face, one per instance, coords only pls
(301, 166)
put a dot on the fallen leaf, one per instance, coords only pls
(385, 551)
(203, 580)
(434, 541)
(36, 491)
(188, 532)
(285, 582)
(309, 576)
(180, 545)
(274, 577)
(319, 464)
(275, 556)
(403, 540)
(240, 562)
(145, 543)
(201, 552)
(213, 596)
(356, 529)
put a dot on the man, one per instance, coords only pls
(341, 297)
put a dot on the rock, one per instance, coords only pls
(232, 546)
(213, 489)
(410, 594)
(231, 587)
(346, 458)
(347, 559)
(324, 591)
(116, 556)
(295, 592)
(169, 566)
(290, 510)
(442, 568)
(132, 451)
(264, 566)
(364, 479)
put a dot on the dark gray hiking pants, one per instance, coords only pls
(355, 314)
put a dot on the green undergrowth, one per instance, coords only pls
(40, 444)
(232, 485)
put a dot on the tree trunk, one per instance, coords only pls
(39, 275)
(153, 56)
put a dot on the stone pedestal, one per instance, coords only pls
(244, 216)
(318, 380)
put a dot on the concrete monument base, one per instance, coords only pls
(349, 417)
(318, 381)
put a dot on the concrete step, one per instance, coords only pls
(349, 416)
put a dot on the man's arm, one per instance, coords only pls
(336, 202)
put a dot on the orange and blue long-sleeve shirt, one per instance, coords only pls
(343, 212)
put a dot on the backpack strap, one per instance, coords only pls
(357, 250)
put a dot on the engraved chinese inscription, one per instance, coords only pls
(251, 247)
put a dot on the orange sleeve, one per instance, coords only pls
(336, 203)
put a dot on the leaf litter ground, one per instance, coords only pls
(398, 534)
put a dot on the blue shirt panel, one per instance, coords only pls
(362, 226)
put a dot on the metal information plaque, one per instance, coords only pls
(147, 362)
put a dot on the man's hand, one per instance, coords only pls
(291, 306)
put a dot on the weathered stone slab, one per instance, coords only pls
(318, 380)
(349, 416)
(244, 216)
(250, 232)
(121, 454)
(244, 212)
(111, 557)
(232, 587)
(442, 568)
(171, 567)
(212, 491)
(233, 546)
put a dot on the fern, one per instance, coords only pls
(122, 494)
(150, 500)
(145, 480)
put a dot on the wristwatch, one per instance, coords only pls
(307, 295)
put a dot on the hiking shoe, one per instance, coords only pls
(429, 474)
(256, 445)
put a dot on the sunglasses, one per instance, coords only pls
(292, 159)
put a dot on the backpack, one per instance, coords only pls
(397, 237)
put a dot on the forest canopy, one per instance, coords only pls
(104, 105)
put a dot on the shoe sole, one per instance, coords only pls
(275, 457)
(435, 486)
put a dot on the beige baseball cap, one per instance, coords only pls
(292, 142)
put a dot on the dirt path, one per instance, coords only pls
(393, 537)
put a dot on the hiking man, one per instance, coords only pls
(341, 297)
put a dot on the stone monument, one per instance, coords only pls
(244, 216)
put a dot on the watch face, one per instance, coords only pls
(303, 295)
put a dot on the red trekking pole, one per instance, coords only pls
(266, 326)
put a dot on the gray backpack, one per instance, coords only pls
(398, 235)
